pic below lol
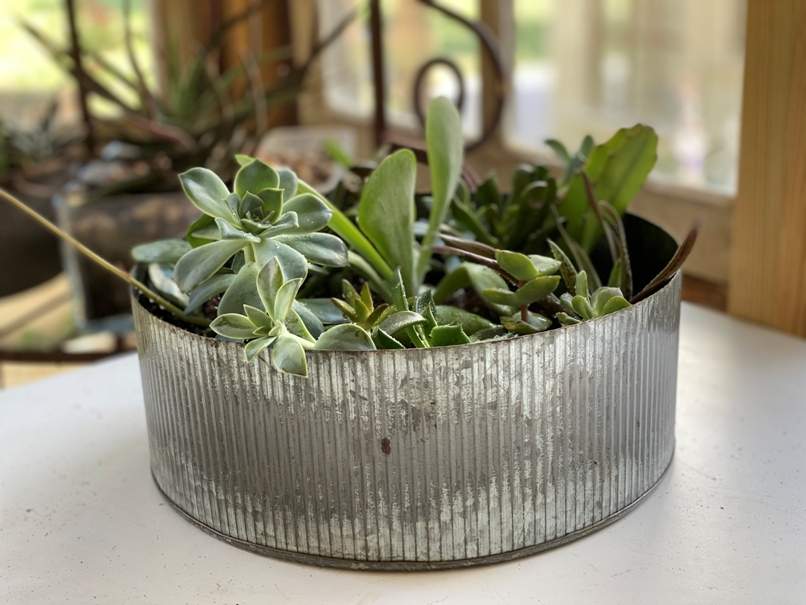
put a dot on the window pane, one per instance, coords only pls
(413, 35)
(591, 66)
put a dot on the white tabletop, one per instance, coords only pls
(82, 522)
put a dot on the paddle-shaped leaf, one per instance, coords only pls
(206, 191)
(201, 263)
(445, 148)
(255, 177)
(345, 337)
(163, 251)
(233, 325)
(287, 355)
(386, 212)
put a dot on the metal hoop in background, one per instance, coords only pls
(489, 48)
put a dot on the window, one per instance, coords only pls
(30, 79)
(580, 66)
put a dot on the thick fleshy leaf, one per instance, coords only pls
(202, 230)
(500, 296)
(309, 318)
(581, 285)
(386, 211)
(298, 327)
(478, 277)
(615, 304)
(534, 324)
(269, 281)
(214, 286)
(567, 269)
(345, 337)
(242, 159)
(206, 191)
(233, 325)
(470, 322)
(285, 298)
(400, 320)
(445, 149)
(242, 291)
(253, 348)
(537, 289)
(287, 355)
(312, 213)
(324, 309)
(163, 251)
(293, 263)
(386, 341)
(617, 169)
(255, 177)
(201, 263)
(227, 231)
(288, 182)
(320, 248)
(446, 336)
(567, 320)
(545, 265)
(161, 277)
(271, 202)
(287, 223)
(582, 307)
(516, 264)
(602, 296)
(258, 317)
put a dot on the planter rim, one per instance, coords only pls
(545, 334)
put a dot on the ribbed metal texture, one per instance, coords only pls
(415, 458)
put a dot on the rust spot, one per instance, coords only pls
(386, 446)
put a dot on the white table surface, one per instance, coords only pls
(82, 522)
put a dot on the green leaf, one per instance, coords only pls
(258, 317)
(298, 327)
(287, 223)
(470, 322)
(537, 289)
(386, 211)
(324, 309)
(617, 169)
(227, 231)
(545, 265)
(566, 320)
(320, 248)
(163, 251)
(214, 286)
(254, 177)
(500, 296)
(199, 264)
(242, 291)
(516, 264)
(559, 149)
(285, 299)
(581, 285)
(445, 148)
(242, 159)
(534, 324)
(233, 325)
(312, 322)
(293, 263)
(400, 320)
(567, 269)
(386, 341)
(206, 191)
(313, 215)
(445, 336)
(288, 182)
(202, 231)
(161, 277)
(478, 277)
(582, 307)
(601, 297)
(615, 304)
(269, 281)
(287, 355)
(345, 229)
(253, 348)
(345, 337)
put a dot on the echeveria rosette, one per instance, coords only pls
(582, 305)
(262, 219)
(274, 325)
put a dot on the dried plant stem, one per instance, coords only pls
(469, 245)
(100, 261)
(476, 258)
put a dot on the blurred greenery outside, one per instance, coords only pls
(27, 72)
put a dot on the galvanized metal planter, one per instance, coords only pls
(415, 459)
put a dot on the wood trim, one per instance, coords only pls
(768, 264)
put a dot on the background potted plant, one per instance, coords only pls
(400, 393)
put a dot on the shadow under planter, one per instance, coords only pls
(419, 458)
